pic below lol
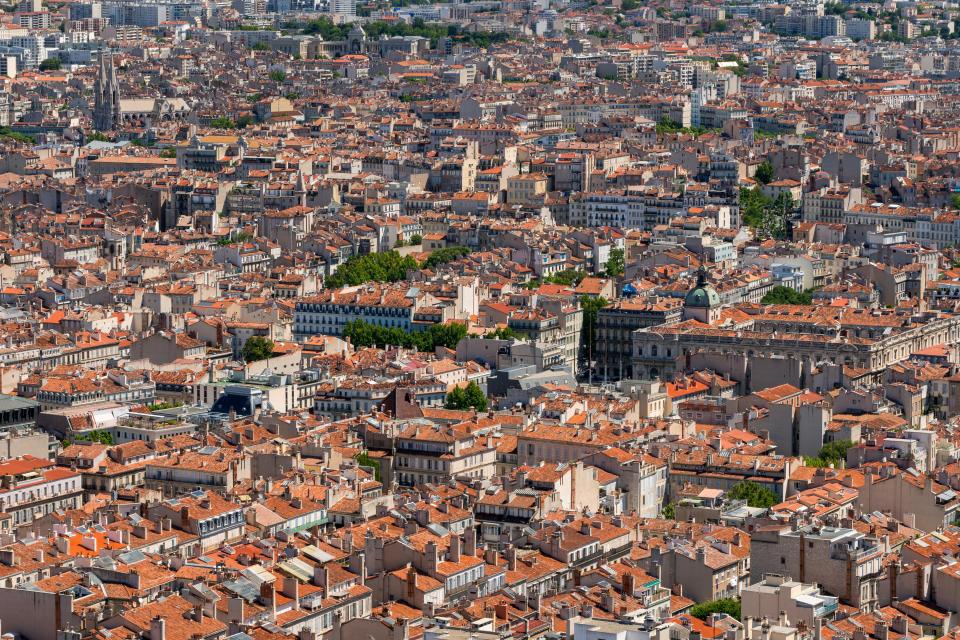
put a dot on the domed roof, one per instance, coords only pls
(702, 295)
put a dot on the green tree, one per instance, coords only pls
(416, 239)
(245, 121)
(7, 132)
(475, 397)
(591, 307)
(260, 46)
(764, 174)
(728, 606)
(373, 267)
(752, 205)
(50, 64)
(446, 254)
(223, 123)
(257, 348)
(101, 437)
(465, 398)
(666, 125)
(616, 264)
(97, 136)
(720, 26)
(834, 453)
(754, 494)
(277, 75)
(955, 200)
(456, 399)
(670, 511)
(169, 152)
(501, 333)
(786, 295)
(567, 278)
(363, 334)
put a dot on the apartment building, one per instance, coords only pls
(844, 562)
(431, 453)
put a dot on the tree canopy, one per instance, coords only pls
(470, 397)
(364, 334)
(726, 605)
(330, 31)
(754, 494)
(501, 333)
(222, 122)
(445, 254)
(101, 437)
(387, 267)
(669, 511)
(257, 348)
(765, 173)
(591, 307)
(616, 264)
(373, 267)
(768, 216)
(50, 64)
(834, 453)
(786, 295)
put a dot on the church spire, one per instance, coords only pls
(106, 109)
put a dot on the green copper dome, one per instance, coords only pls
(702, 295)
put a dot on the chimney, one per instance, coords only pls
(607, 602)
(511, 558)
(320, 576)
(432, 556)
(470, 541)
(411, 583)
(235, 611)
(899, 624)
(880, 631)
(455, 548)
(291, 589)
(158, 629)
(268, 597)
(628, 584)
